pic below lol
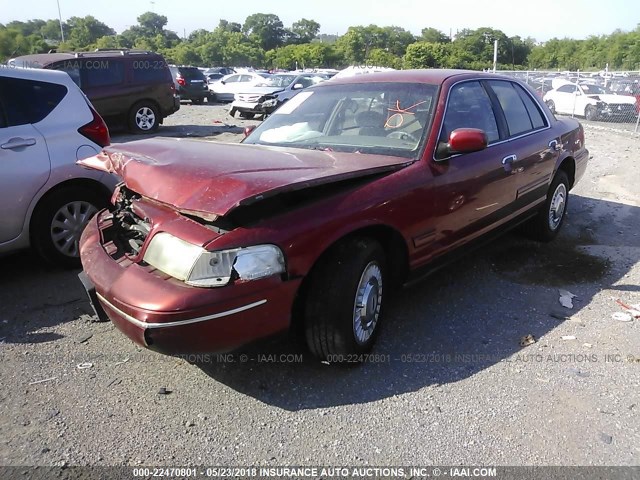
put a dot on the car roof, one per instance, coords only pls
(51, 76)
(433, 76)
(44, 59)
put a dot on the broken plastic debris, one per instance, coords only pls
(622, 316)
(568, 337)
(84, 366)
(587, 345)
(566, 298)
(84, 338)
(527, 340)
(121, 363)
(43, 381)
(164, 391)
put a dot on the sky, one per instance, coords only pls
(539, 19)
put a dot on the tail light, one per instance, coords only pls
(181, 81)
(96, 130)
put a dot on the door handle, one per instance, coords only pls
(18, 143)
(507, 163)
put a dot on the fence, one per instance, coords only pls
(610, 99)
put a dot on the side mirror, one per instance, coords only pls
(248, 130)
(298, 86)
(223, 82)
(462, 140)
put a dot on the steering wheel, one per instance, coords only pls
(402, 136)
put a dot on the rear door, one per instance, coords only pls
(103, 81)
(533, 150)
(24, 158)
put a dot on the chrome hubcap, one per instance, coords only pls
(366, 308)
(68, 224)
(145, 118)
(557, 207)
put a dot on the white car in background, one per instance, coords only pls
(591, 101)
(224, 90)
(46, 125)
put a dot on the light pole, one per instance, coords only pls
(60, 19)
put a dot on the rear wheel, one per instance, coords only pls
(58, 222)
(144, 118)
(197, 101)
(547, 223)
(343, 307)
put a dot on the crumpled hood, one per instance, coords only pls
(615, 99)
(210, 179)
(259, 90)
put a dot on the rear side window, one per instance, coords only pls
(72, 67)
(515, 112)
(533, 109)
(103, 72)
(28, 101)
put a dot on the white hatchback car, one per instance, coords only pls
(225, 89)
(46, 125)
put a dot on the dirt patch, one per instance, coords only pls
(554, 264)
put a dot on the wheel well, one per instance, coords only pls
(568, 165)
(395, 249)
(75, 182)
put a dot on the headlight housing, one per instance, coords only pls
(201, 268)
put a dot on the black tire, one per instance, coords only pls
(197, 101)
(247, 115)
(590, 113)
(551, 105)
(332, 327)
(69, 208)
(547, 223)
(212, 98)
(144, 118)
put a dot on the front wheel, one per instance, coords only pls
(197, 101)
(58, 222)
(247, 115)
(590, 113)
(144, 118)
(551, 105)
(343, 307)
(547, 223)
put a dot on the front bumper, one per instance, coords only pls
(171, 317)
(248, 107)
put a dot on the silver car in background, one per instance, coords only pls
(46, 125)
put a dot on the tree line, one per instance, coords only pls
(263, 41)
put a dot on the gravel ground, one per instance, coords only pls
(450, 383)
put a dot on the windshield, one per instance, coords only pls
(378, 118)
(277, 81)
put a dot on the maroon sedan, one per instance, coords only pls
(352, 188)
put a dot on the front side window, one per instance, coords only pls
(378, 118)
(469, 106)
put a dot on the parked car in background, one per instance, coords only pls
(590, 101)
(46, 124)
(213, 77)
(221, 70)
(225, 89)
(265, 97)
(354, 187)
(190, 83)
(130, 87)
(628, 86)
(251, 101)
(269, 103)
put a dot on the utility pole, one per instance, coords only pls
(60, 19)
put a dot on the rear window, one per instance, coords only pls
(28, 101)
(191, 74)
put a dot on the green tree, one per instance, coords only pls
(85, 31)
(433, 35)
(305, 30)
(266, 29)
(426, 55)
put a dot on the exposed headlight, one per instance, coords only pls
(270, 103)
(198, 267)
